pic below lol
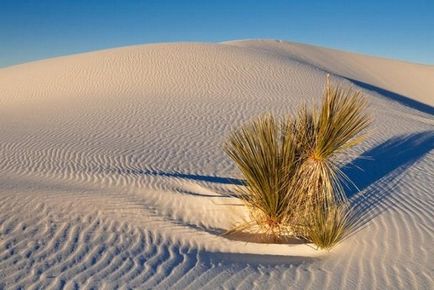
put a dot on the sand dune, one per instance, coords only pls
(112, 172)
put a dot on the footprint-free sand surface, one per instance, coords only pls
(112, 172)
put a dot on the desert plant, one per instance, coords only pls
(264, 151)
(292, 167)
(324, 136)
(326, 227)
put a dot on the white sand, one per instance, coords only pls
(112, 172)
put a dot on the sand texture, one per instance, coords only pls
(112, 172)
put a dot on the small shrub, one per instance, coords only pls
(326, 227)
(294, 185)
(264, 151)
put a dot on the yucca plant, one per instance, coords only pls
(324, 136)
(327, 226)
(292, 170)
(265, 153)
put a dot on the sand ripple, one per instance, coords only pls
(112, 173)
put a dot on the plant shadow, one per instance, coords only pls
(261, 238)
(375, 173)
(385, 162)
(189, 176)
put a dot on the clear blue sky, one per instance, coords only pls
(37, 29)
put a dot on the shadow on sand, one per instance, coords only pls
(395, 97)
(188, 176)
(385, 162)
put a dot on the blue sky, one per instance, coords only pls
(30, 30)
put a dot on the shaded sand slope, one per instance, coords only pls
(112, 173)
(403, 82)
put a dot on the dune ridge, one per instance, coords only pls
(112, 172)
